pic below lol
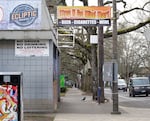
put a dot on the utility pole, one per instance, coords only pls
(115, 68)
(100, 61)
(72, 2)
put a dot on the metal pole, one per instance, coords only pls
(100, 61)
(72, 2)
(114, 84)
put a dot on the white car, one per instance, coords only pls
(122, 85)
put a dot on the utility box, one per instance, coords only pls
(11, 103)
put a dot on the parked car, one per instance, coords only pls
(69, 83)
(138, 86)
(122, 85)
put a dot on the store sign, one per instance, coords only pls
(23, 15)
(89, 22)
(32, 48)
(83, 15)
(20, 15)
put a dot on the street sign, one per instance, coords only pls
(94, 39)
(110, 71)
(107, 71)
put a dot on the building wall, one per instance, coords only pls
(37, 76)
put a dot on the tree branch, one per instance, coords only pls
(118, 1)
(85, 2)
(77, 56)
(80, 43)
(127, 30)
(136, 8)
(61, 2)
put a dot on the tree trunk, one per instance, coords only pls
(94, 70)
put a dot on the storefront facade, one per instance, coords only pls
(28, 45)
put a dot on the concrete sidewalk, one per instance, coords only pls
(72, 108)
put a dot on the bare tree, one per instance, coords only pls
(127, 55)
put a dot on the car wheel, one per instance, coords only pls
(146, 94)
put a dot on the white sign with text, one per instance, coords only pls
(31, 47)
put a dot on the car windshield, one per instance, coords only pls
(141, 82)
(121, 81)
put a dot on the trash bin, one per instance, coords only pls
(99, 92)
(11, 104)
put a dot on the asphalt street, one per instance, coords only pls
(140, 101)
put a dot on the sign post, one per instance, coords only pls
(115, 57)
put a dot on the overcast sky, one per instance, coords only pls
(130, 4)
(95, 2)
(78, 3)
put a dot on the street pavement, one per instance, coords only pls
(73, 108)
